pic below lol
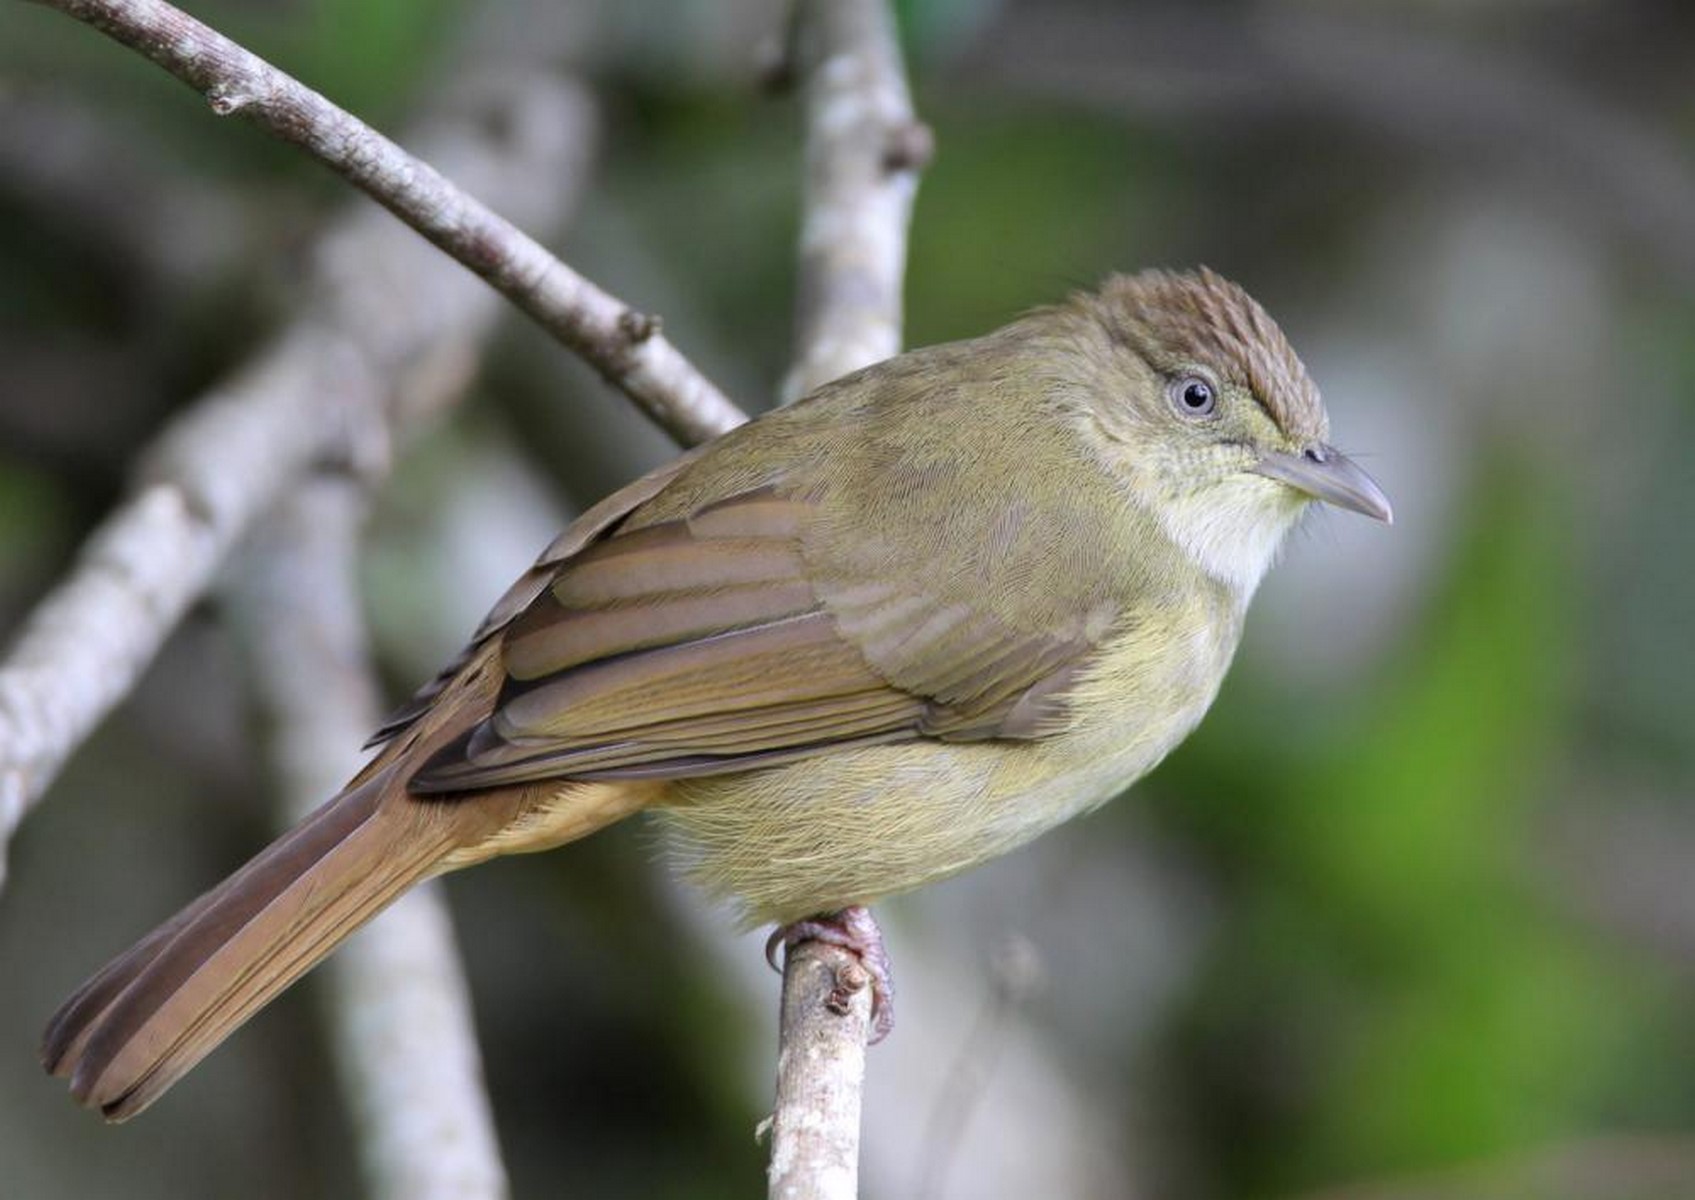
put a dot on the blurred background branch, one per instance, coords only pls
(405, 1046)
(361, 364)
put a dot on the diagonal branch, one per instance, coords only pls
(366, 359)
(864, 148)
(625, 346)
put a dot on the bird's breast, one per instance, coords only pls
(857, 824)
(1145, 691)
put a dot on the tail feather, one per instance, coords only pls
(141, 1023)
(67, 1033)
(138, 1025)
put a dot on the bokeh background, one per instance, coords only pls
(1412, 916)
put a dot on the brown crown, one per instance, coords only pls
(1175, 319)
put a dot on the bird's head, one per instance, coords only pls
(1212, 420)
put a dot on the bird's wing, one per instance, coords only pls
(593, 523)
(717, 641)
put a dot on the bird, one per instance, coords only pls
(856, 645)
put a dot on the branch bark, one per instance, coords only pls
(826, 1019)
(364, 360)
(624, 345)
(864, 150)
(397, 1003)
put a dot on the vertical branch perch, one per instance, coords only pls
(399, 1010)
(864, 148)
(826, 1019)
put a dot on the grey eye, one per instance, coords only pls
(1193, 396)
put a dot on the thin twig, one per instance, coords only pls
(332, 387)
(864, 149)
(624, 345)
(399, 1009)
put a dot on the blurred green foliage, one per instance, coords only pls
(1399, 983)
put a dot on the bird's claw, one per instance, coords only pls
(855, 930)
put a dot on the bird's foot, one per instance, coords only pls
(855, 930)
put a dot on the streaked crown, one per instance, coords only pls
(1177, 320)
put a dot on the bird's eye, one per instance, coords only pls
(1194, 397)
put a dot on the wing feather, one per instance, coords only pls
(701, 643)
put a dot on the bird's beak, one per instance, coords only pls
(1331, 476)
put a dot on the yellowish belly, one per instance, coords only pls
(855, 825)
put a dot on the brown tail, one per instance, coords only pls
(139, 1025)
(143, 1021)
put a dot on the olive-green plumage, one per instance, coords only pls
(859, 644)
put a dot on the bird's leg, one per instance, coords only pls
(855, 930)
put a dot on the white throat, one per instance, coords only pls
(1234, 529)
